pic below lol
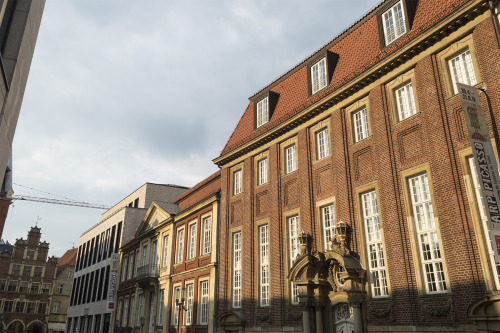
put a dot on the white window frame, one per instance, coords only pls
(394, 23)
(124, 269)
(262, 112)
(462, 69)
(428, 243)
(204, 299)
(125, 313)
(262, 171)
(293, 246)
(323, 148)
(237, 181)
(119, 314)
(264, 265)
(145, 255)
(164, 262)
(206, 223)
(179, 250)
(189, 304)
(154, 256)
(175, 311)
(319, 76)
(405, 101)
(161, 307)
(374, 245)
(291, 158)
(132, 313)
(328, 225)
(236, 297)
(192, 241)
(131, 258)
(360, 124)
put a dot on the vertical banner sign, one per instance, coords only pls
(484, 160)
(115, 262)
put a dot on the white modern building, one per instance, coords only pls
(92, 300)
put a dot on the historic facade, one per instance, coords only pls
(349, 202)
(172, 259)
(26, 280)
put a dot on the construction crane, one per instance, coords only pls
(59, 202)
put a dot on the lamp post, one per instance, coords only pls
(181, 306)
(303, 242)
(341, 232)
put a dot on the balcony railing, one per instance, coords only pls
(147, 271)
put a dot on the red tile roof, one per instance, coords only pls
(358, 49)
(68, 259)
(200, 191)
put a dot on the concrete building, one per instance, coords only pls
(369, 130)
(93, 295)
(172, 256)
(26, 280)
(19, 24)
(61, 292)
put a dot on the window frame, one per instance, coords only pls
(264, 266)
(237, 180)
(322, 75)
(408, 9)
(189, 303)
(164, 259)
(176, 294)
(192, 239)
(359, 105)
(202, 297)
(257, 171)
(264, 113)
(393, 86)
(292, 240)
(179, 245)
(236, 267)
(206, 235)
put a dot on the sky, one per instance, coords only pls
(124, 92)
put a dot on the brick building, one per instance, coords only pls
(368, 130)
(61, 291)
(173, 255)
(26, 280)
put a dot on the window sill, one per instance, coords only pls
(362, 140)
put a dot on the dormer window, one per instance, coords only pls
(263, 112)
(394, 23)
(318, 76)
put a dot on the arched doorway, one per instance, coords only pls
(344, 318)
(15, 327)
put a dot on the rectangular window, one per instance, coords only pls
(318, 76)
(394, 23)
(237, 270)
(192, 241)
(34, 288)
(405, 101)
(360, 119)
(293, 242)
(428, 243)
(177, 297)
(328, 224)
(264, 265)
(207, 225)
(46, 288)
(42, 308)
(376, 258)
(119, 313)
(262, 172)
(27, 270)
(262, 112)
(323, 149)
(204, 303)
(462, 70)
(161, 302)
(144, 255)
(132, 304)
(189, 303)
(20, 307)
(125, 313)
(16, 269)
(154, 257)
(8, 306)
(23, 287)
(180, 247)
(130, 265)
(3, 284)
(165, 252)
(291, 159)
(237, 182)
(12, 286)
(60, 289)
(30, 308)
(124, 269)
(139, 309)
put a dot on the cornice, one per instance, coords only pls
(410, 50)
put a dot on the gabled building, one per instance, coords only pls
(349, 202)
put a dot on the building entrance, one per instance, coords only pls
(344, 318)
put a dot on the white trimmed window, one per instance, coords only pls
(161, 301)
(119, 313)
(130, 265)
(318, 76)
(124, 269)
(139, 308)
(262, 112)
(177, 297)
(405, 101)
(125, 313)
(328, 224)
(154, 256)
(132, 304)
(207, 225)
(394, 23)
(293, 243)
(428, 243)
(165, 251)
(237, 270)
(264, 265)
(322, 143)
(360, 119)
(291, 159)
(144, 255)
(192, 241)
(376, 258)
(204, 303)
(179, 251)
(237, 182)
(462, 70)
(484, 220)
(262, 171)
(189, 303)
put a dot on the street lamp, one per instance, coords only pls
(341, 231)
(181, 306)
(303, 240)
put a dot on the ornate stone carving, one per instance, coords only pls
(436, 310)
(294, 316)
(340, 248)
(376, 311)
(263, 316)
